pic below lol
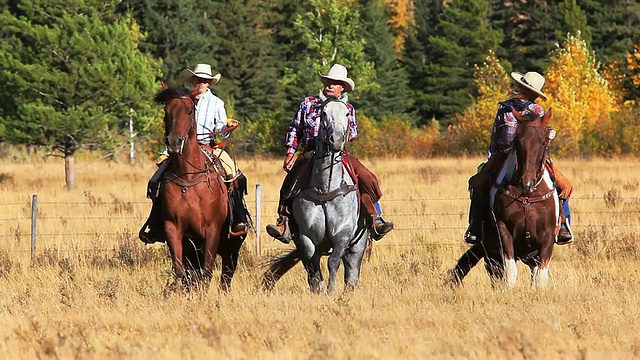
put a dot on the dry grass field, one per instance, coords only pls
(93, 290)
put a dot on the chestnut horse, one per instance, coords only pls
(193, 199)
(525, 204)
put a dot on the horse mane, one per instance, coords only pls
(170, 93)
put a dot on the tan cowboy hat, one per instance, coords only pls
(203, 71)
(339, 73)
(531, 80)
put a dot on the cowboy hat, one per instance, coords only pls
(531, 80)
(338, 73)
(203, 71)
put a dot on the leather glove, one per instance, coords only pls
(161, 159)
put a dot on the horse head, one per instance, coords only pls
(334, 124)
(531, 144)
(179, 119)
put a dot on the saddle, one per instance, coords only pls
(301, 173)
(155, 183)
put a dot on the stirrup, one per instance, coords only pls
(471, 235)
(239, 229)
(146, 235)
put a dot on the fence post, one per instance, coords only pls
(34, 218)
(258, 217)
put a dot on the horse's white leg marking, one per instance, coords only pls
(511, 271)
(540, 276)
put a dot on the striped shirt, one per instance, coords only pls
(210, 116)
(305, 125)
(505, 124)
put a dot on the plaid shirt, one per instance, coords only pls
(505, 125)
(305, 125)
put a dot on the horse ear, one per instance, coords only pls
(547, 117)
(164, 86)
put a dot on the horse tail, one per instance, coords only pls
(278, 266)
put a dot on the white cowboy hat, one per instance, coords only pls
(203, 71)
(531, 80)
(339, 73)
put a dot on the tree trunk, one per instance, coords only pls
(70, 171)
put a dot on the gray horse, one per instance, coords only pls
(326, 212)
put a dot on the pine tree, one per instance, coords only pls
(389, 96)
(72, 71)
(574, 21)
(462, 37)
(529, 33)
(416, 56)
(247, 56)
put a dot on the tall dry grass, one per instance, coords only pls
(94, 291)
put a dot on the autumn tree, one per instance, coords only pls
(582, 101)
(401, 18)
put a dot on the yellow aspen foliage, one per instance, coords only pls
(394, 136)
(401, 17)
(472, 130)
(582, 101)
(633, 65)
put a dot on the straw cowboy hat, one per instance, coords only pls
(339, 73)
(203, 71)
(531, 80)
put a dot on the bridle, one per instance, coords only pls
(182, 140)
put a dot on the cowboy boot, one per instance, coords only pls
(239, 226)
(473, 234)
(280, 230)
(380, 227)
(477, 185)
(152, 230)
(565, 235)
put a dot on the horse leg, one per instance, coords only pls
(174, 242)
(310, 256)
(211, 244)
(509, 261)
(540, 273)
(466, 262)
(229, 250)
(352, 259)
(333, 264)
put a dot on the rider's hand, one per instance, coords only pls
(232, 122)
(288, 162)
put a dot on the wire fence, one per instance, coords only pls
(57, 223)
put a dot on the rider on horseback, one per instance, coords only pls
(527, 88)
(213, 129)
(302, 135)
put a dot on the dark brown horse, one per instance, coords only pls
(193, 199)
(525, 204)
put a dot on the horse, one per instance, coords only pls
(326, 212)
(193, 199)
(525, 206)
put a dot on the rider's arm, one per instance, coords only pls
(291, 138)
(504, 130)
(220, 115)
(353, 126)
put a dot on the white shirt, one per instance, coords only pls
(210, 116)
